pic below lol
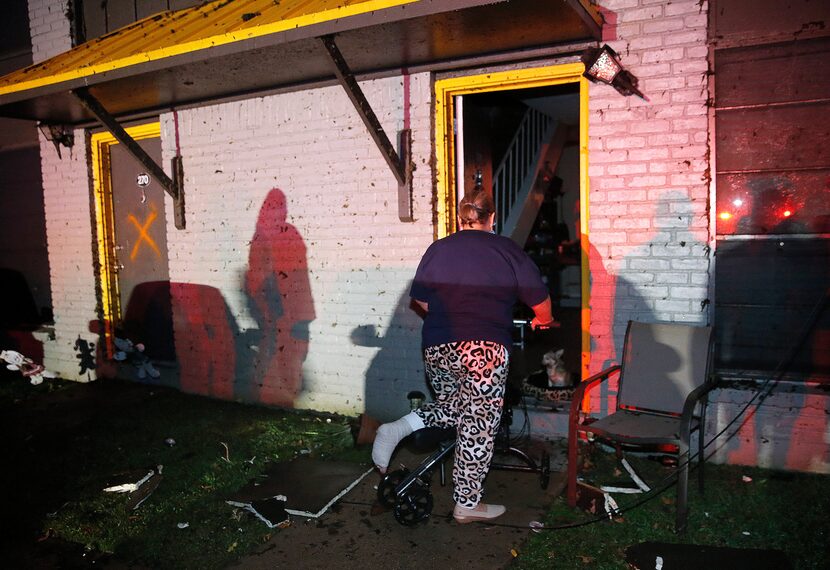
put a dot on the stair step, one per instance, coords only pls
(547, 420)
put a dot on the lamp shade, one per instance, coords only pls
(602, 65)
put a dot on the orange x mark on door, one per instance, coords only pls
(143, 235)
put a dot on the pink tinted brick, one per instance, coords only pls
(648, 153)
(627, 195)
(607, 238)
(625, 142)
(664, 83)
(648, 13)
(645, 42)
(691, 124)
(691, 37)
(600, 224)
(608, 129)
(630, 223)
(647, 181)
(624, 32)
(663, 25)
(689, 151)
(668, 139)
(696, 52)
(664, 55)
(679, 8)
(617, 116)
(628, 168)
(686, 179)
(610, 209)
(652, 70)
(695, 21)
(643, 127)
(609, 156)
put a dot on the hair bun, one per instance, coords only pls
(475, 207)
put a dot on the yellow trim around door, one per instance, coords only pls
(100, 144)
(445, 90)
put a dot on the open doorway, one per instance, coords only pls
(525, 141)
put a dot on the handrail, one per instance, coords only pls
(519, 162)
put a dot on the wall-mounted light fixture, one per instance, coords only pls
(59, 135)
(602, 65)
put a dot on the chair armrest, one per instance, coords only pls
(582, 387)
(691, 401)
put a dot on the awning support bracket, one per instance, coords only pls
(402, 166)
(173, 186)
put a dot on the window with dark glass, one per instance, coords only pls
(772, 125)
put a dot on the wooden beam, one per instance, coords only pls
(174, 187)
(401, 166)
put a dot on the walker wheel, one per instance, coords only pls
(414, 507)
(544, 470)
(387, 486)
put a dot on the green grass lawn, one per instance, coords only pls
(774, 510)
(219, 447)
(69, 447)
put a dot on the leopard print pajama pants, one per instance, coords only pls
(469, 381)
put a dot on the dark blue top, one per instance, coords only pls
(471, 280)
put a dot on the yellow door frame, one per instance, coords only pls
(446, 199)
(100, 145)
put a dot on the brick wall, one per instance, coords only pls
(650, 256)
(306, 157)
(69, 236)
(49, 27)
(69, 232)
(649, 190)
(787, 430)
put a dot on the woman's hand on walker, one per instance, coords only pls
(536, 324)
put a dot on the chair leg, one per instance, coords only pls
(682, 489)
(573, 458)
(701, 458)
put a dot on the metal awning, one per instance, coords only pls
(233, 48)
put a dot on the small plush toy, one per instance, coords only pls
(134, 354)
(34, 372)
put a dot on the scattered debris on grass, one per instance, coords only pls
(27, 367)
(271, 510)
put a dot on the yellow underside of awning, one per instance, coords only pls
(185, 31)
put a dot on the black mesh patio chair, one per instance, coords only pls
(664, 379)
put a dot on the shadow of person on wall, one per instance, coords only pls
(397, 368)
(189, 320)
(648, 284)
(279, 292)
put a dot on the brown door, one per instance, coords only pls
(140, 244)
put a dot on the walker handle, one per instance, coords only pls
(526, 323)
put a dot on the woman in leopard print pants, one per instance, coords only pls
(467, 285)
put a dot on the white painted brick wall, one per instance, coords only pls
(342, 199)
(789, 430)
(49, 28)
(69, 236)
(648, 165)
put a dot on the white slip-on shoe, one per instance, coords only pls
(481, 512)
